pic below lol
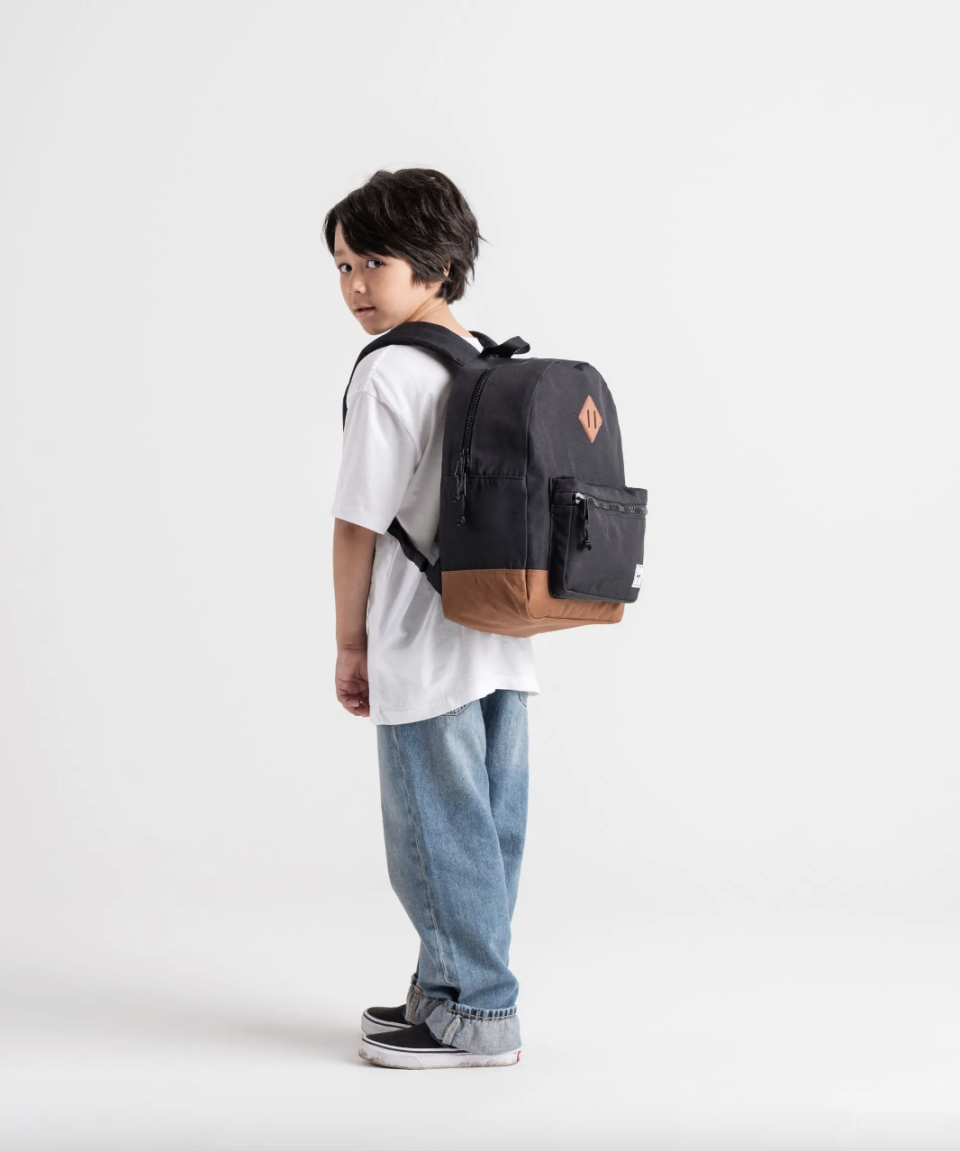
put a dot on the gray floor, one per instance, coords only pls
(208, 1019)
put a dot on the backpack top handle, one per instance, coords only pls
(507, 349)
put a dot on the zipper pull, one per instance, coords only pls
(584, 518)
(458, 472)
(460, 493)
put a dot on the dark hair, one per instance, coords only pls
(416, 214)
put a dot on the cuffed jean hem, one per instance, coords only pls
(420, 1005)
(479, 1030)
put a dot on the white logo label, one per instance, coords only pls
(636, 578)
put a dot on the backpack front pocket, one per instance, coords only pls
(596, 540)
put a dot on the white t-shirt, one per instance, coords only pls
(419, 663)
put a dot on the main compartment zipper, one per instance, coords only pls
(463, 459)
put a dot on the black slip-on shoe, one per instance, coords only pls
(377, 1019)
(415, 1049)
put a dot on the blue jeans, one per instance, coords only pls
(453, 792)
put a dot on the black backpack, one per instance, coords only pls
(537, 528)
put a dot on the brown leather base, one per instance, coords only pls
(516, 601)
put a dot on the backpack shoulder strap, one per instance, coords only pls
(421, 334)
(412, 552)
(434, 338)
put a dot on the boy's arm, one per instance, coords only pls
(379, 458)
(353, 548)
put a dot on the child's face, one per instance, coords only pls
(383, 285)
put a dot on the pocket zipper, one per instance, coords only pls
(612, 505)
(605, 505)
(463, 459)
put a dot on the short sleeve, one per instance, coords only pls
(379, 458)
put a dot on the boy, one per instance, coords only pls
(449, 702)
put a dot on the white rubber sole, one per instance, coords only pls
(414, 1060)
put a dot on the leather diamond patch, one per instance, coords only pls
(590, 418)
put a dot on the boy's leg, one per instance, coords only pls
(453, 797)
(505, 716)
(505, 724)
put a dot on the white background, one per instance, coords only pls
(738, 920)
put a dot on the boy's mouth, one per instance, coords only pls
(364, 311)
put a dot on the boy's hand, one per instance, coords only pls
(353, 550)
(350, 678)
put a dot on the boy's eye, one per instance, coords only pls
(372, 260)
